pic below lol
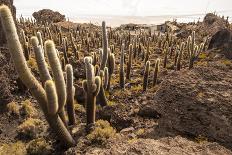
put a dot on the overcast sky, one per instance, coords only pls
(125, 7)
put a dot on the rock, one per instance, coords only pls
(148, 112)
(9, 3)
(210, 18)
(192, 103)
(47, 15)
(165, 146)
(117, 115)
(127, 130)
(222, 39)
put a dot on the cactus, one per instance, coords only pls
(94, 58)
(106, 77)
(70, 94)
(26, 51)
(165, 58)
(111, 67)
(42, 66)
(156, 70)
(39, 36)
(129, 63)
(91, 87)
(27, 77)
(176, 57)
(65, 50)
(101, 98)
(105, 46)
(121, 73)
(52, 100)
(97, 70)
(146, 75)
(178, 62)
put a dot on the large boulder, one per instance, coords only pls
(222, 39)
(13, 10)
(197, 102)
(47, 15)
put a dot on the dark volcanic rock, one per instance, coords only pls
(13, 10)
(223, 40)
(148, 112)
(47, 15)
(197, 102)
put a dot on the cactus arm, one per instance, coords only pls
(70, 94)
(39, 56)
(52, 104)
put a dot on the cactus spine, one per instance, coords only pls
(91, 87)
(146, 75)
(27, 77)
(121, 76)
(70, 94)
(155, 75)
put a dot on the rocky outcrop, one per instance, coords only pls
(222, 39)
(13, 10)
(47, 15)
(197, 102)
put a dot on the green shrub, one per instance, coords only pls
(30, 128)
(39, 147)
(101, 132)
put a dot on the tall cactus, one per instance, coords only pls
(70, 94)
(156, 70)
(178, 63)
(105, 46)
(146, 75)
(121, 73)
(27, 77)
(111, 67)
(39, 56)
(129, 63)
(91, 87)
(58, 76)
(101, 98)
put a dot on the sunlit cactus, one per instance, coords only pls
(146, 75)
(91, 87)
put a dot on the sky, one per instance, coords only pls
(76, 8)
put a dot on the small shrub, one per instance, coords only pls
(17, 148)
(39, 147)
(13, 108)
(32, 64)
(201, 139)
(78, 107)
(30, 128)
(101, 132)
(27, 109)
